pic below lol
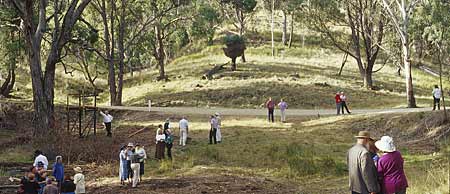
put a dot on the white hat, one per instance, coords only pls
(77, 169)
(217, 114)
(130, 145)
(385, 144)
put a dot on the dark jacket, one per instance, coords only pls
(68, 186)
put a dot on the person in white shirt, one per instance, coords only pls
(142, 157)
(344, 103)
(213, 131)
(184, 127)
(219, 125)
(437, 94)
(160, 143)
(79, 181)
(40, 158)
(107, 119)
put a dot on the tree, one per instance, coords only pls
(398, 12)
(235, 47)
(366, 25)
(35, 25)
(205, 22)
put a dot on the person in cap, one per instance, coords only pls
(107, 120)
(219, 126)
(184, 128)
(40, 158)
(50, 188)
(143, 156)
(79, 181)
(361, 168)
(123, 165)
(390, 167)
(130, 173)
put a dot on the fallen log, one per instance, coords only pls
(216, 69)
(138, 131)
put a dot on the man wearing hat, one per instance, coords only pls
(361, 168)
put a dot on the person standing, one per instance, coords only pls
(169, 143)
(68, 187)
(167, 124)
(130, 172)
(107, 120)
(343, 98)
(79, 181)
(40, 158)
(337, 98)
(135, 166)
(142, 157)
(437, 94)
(283, 106)
(270, 105)
(213, 130)
(361, 168)
(184, 127)
(390, 168)
(30, 185)
(58, 170)
(219, 126)
(123, 171)
(160, 144)
(50, 188)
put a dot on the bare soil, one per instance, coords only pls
(203, 185)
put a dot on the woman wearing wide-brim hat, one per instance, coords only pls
(390, 167)
(78, 179)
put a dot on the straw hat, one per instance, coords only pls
(385, 144)
(364, 135)
(77, 169)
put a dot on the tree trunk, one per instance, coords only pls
(160, 53)
(408, 78)
(272, 27)
(283, 38)
(241, 19)
(368, 82)
(291, 33)
(109, 38)
(122, 26)
(233, 64)
(440, 83)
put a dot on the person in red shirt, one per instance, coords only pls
(338, 102)
(270, 106)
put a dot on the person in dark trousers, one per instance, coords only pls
(270, 105)
(68, 187)
(213, 131)
(58, 170)
(343, 98)
(437, 94)
(107, 120)
(169, 143)
(166, 125)
(30, 185)
(337, 98)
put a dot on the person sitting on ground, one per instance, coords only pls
(283, 106)
(58, 170)
(160, 144)
(50, 188)
(337, 99)
(29, 185)
(344, 103)
(79, 181)
(219, 126)
(361, 168)
(184, 127)
(270, 105)
(123, 165)
(213, 130)
(390, 168)
(107, 120)
(135, 166)
(68, 187)
(40, 158)
(143, 156)
(169, 143)
(437, 94)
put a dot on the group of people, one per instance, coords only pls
(38, 181)
(132, 160)
(341, 103)
(375, 166)
(270, 105)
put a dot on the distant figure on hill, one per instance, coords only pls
(160, 144)
(390, 167)
(123, 167)
(79, 181)
(437, 94)
(143, 156)
(107, 120)
(343, 98)
(219, 126)
(362, 172)
(50, 188)
(68, 187)
(270, 105)
(213, 130)
(337, 98)
(283, 106)
(184, 127)
(40, 158)
(58, 170)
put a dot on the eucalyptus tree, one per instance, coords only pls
(205, 22)
(356, 27)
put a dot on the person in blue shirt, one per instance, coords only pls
(58, 170)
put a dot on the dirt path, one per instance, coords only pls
(258, 112)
